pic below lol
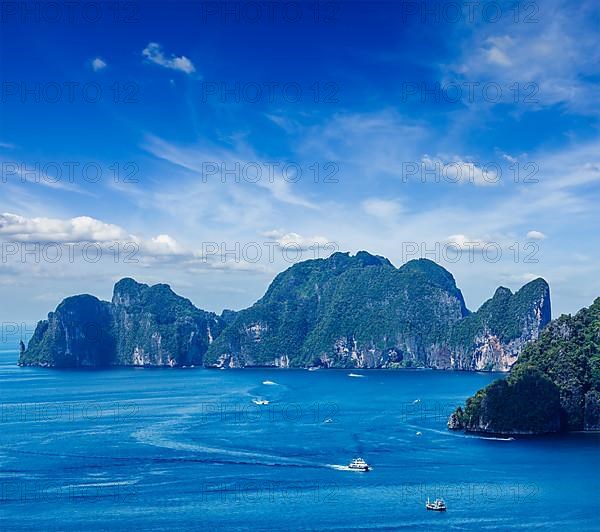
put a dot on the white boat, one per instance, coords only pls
(359, 464)
(313, 368)
(437, 506)
(260, 401)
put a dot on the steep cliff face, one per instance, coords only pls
(78, 334)
(155, 327)
(555, 384)
(143, 326)
(362, 312)
(343, 312)
(493, 337)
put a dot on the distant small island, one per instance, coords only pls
(553, 387)
(341, 312)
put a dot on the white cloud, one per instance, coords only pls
(497, 56)
(509, 158)
(98, 64)
(86, 230)
(296, 240)
(368, 146)
(51, 176)
(459, 170)
(162, 245)
(466, 243)
(553, 60)
(204, 159)
(536, 235)
(386, 210)
(80, 229)
(154, 53)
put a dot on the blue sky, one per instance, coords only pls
(404, 129)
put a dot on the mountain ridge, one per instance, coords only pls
(342, 311)
(553, 387)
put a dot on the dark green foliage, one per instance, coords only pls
(498, 314)
(567, 355)
(526, 402)
(77, 334)
(167, 328)
(144, 325)
(343, 311)
(364, 298)
(338, 310)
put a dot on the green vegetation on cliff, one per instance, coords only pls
(498, 314)
(144, 325)
(343, 311)
(66, 340)
(555, 384)
(349, 311)
(155, 326)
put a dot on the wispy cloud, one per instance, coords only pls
(557, 54)
(155, 54)
(98, 64)
(212, 164)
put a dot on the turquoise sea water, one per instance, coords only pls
(142, 449)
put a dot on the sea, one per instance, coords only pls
(267, 449)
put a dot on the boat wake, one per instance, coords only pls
(236, 458)
(257, 401)
(338, 467)
(493, 438)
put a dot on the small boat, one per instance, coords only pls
(359, 464)
(437, 506)
(260, 401)
(328, 420)
(419, 433)
(313, 368)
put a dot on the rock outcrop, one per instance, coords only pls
(554, 386)
(343, 312)
(142, 326)
(362, 312)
